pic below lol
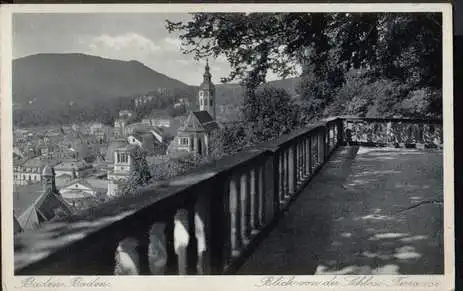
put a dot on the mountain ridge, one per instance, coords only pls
(59, 78)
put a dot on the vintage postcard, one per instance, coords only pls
(227, 147)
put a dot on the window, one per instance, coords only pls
(201, 93)
(122, 158)
(211, 102)
(183, 140)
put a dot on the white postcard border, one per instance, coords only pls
(10, 282)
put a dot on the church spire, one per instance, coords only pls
(207, 92)
(207, 74)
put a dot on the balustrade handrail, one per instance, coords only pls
(293, 158)
(167, 192)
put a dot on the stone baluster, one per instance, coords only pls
(172, 260)
(261, 194)
(299, 161)
(235, 215)
(202, 220)
(281, 170)
(286, 173)
(181, 240)
(309, 156)
(305, 159)
(291, 170)
(254, 193)
(316, 150)
(245, 209)
(157, 252)
(127, 258)
(321, 145)
(335, 134)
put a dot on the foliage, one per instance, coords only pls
(422, 103)
(140, 175)
(270, 114)
(394, 49)
(103, 110)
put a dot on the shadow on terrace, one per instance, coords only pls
(321, 200)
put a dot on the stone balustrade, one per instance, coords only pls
(206, 222)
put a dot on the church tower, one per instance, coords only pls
(207, 93)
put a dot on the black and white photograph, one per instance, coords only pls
(270, 143)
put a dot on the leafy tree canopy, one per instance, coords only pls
(404, 46)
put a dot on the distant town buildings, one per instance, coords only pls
(83, 164)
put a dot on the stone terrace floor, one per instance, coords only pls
(368, 211)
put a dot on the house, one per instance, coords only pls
(157, 118)
(182, 102)
(109, 158)
(73, 168)
(29, 171)
(49, 148)
(138, 126)
(49, 204)
(153, 142)
(100, 131)
(63, 180)
(193, 137)
(78, 146)
(121, 169)
(142, 100)
(84, 193)
(120, 124)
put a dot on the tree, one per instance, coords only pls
(140, 175)
(397, 46)
(269, 115)
(252, 43)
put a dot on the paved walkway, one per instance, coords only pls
(369, 211)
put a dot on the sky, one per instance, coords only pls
(141, 37)
(134, 36)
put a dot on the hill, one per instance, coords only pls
(50, 80)
(66, 88)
